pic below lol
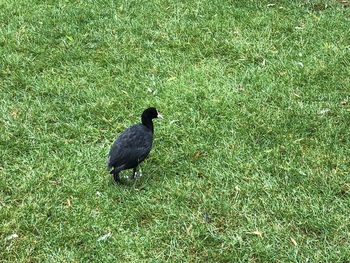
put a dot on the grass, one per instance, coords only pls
(251, 163)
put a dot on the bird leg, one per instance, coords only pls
(115, 176)
(134, 173)
(139, 174)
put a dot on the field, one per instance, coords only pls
(250, 164)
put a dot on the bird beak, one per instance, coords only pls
(159, 116)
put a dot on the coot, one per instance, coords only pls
(133, 145)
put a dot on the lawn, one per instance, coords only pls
(250, 164)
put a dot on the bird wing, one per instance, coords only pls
(131, 147)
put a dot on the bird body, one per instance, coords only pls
(133, 145)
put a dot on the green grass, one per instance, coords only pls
(251, 163)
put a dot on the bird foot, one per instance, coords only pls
(136, 175)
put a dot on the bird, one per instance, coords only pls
(132, 146)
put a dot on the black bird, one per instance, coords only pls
(133, 145)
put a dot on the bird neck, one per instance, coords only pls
(148, 123)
